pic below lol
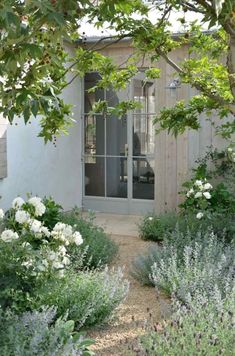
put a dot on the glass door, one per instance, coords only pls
(118, 152)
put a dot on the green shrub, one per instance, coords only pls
(206, 327)
(156, 227)
(88, 297)
(97, 249)
(38, 333)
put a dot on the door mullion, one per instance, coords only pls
(130, 149)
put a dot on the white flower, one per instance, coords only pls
(198, 183)
(190, 192)
(34, 201)
(9, 235)
(207, 186)
(62, 250)
(207, 195)
(35, 226)
(150, 218)
(17, 203)
(199, 215)
(28, 263)
(1, 214)
(230, 149)
(198, 195)
(44, 230)
(77, 238)
(63, 232)
(22, 216)
(52, 256)
(57, 265)
(38, 205)
(66, 261)
(40, 209)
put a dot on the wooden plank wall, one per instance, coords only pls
(174, 158)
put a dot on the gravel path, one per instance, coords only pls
(120, 337)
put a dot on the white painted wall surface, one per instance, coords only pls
(40, 169)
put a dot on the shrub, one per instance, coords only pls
(30, 253)
(206, 327)
(38, 333)
(88, 297)
(199, 266)
(97, 249)
(173, 252)
(156, 227)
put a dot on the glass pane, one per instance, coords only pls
(91, 79)
(144, 93)
(116, 127)
(116, 177)
(94, 135)
(143, 135)
(143, 178)
(94, 176)
(116, 135)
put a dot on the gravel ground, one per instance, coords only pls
(142, 307)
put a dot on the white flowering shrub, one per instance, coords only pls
(29, 251)
(211, 191)
(39, 333)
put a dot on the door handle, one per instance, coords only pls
(126, 149)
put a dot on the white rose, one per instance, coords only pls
(77, 238)
(230, 149)
(40, 209)
(22, 216)
(9, 235)
(62, 250)
(207, 186)
(1, 214)
(190, 192)
(17, 203)
(59, 226)
(34, 201)
(198, 195)
(198, 183)
(38, 205)
(57, 265)
(199, 215)
(52, 256)
(66, 261)
(150, 218)
(44, 230)
(35, 226)
(207, 195)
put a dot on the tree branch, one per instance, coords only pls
(195, 84)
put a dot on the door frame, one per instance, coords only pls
(127, 205)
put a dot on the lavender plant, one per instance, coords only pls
(205, 326)
(39, 333)
(88, 297)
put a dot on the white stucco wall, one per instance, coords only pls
(40, 169)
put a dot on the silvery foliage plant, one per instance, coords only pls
(205, 325)
(198, 266)
(38, 333)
